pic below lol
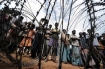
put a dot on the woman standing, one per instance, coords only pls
(76, 56)
(64, 46)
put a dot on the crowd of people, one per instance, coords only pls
(24, 37)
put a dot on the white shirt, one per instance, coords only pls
(76, 42)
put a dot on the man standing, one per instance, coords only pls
(54, 41)
(47, 39)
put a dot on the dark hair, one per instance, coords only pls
(21, 17)
(56, 23)
(63, 30)
(32, 26)
(37, 28)
(74, 30)
(80, 33)
(50, 25)
(89, 30)
(45, 21)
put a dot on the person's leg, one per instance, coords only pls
(103, 51)
(55, 54)
(44, 51)
(96, 59)
(24, 49)
(18, 50)
(74, 55)
(52, 54)
(68, 54)
(34, 51)
(48, 51)
(51, 43)
(55, 47)
(35, 46)
(28, 49)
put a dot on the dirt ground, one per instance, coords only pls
(46, 65)
(4, 64)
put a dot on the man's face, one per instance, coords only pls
(103, 36)
(20, 19)
(50, 26)
(80, 33)
(74, 32)
(56, 25)
(64, 31)
(89, 31)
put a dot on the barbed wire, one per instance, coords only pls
(39, 10)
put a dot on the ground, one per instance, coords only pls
(30, 63)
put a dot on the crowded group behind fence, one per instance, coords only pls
(27, 39)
